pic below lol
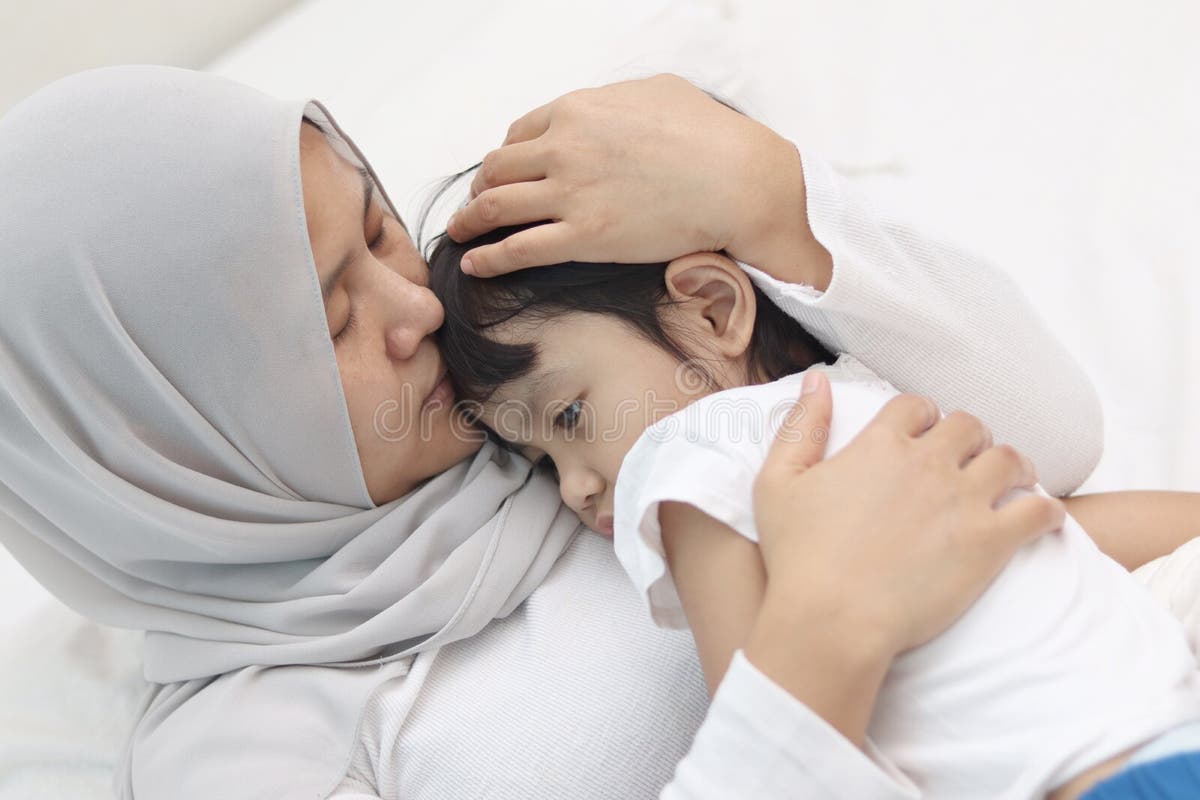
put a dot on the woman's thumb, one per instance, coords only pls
(800, 441)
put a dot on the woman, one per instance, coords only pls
(221, 423)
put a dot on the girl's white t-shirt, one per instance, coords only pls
(1065, 660)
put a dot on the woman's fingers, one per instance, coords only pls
(998, 470)
(962, 435)
(912, 414)
(642, 173)
(800, 441)
(514, 163)
(934, 537)
(1026, 518)
(533, 247)
(497, 208)
(532, 125)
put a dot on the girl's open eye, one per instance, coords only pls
(568, 418)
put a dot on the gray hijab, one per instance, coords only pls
(175, 450)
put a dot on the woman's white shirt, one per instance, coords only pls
(573, 695)
(577, 694)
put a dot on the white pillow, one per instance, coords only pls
(427, 89)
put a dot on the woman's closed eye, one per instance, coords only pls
(375, 244)
(350, 323)
(380, 237)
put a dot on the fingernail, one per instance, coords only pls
(450, 223)
(467, 266)
(812, 380)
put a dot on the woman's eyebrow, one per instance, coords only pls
(368, 191)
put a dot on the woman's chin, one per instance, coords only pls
(409, 460)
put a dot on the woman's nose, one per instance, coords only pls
(417, 314)
(579, 487)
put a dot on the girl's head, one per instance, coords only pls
(572, 362)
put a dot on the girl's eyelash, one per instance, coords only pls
(350, 322)
(568, 418)
(548, 463)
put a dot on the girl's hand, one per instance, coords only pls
(881, 547)
(642, 171)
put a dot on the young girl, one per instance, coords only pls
(654, 392)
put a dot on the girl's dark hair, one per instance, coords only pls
(630, 293)
(633, 294)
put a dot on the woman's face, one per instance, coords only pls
(381, 316)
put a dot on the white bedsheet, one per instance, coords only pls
(1058, 138)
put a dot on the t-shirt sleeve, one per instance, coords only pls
(708, 456)
(759, 741)
(674, 463)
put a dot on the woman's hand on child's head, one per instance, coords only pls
(638, 172)
(896, 535)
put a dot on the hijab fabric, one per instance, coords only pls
(175, 450)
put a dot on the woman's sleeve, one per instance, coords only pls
(934, 320)
(759, 741)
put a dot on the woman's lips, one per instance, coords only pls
(604, 524)
(442, 393)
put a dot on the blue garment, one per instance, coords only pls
(1175, 777)
(1184, 739)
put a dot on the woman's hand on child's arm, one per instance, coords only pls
(720, 579)
(1134, 528)
(643, 171)
(881, 547)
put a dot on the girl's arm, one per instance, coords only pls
(759, 739)
(721, 581)
(722, 584)
(1134, 528)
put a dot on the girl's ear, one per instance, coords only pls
(714, 299)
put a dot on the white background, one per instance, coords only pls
(45, 40)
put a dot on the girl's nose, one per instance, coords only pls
(579, 487)
(417, 314)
